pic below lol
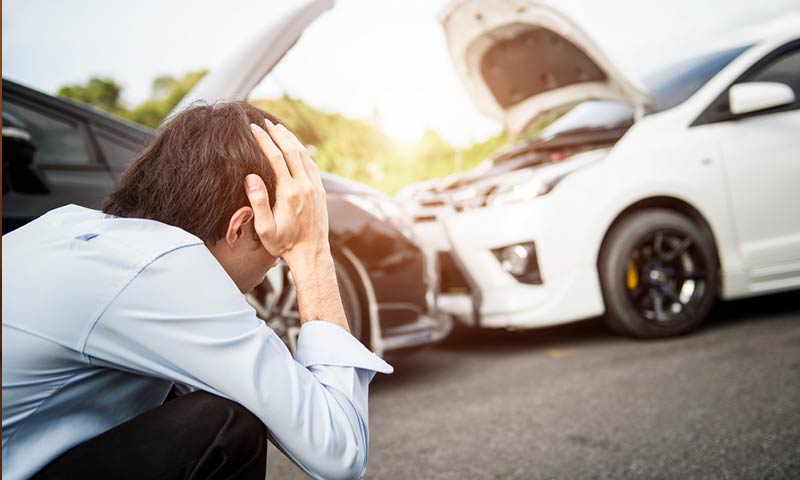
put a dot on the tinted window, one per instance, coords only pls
(785, 69)
(58, 141)
(675, 84)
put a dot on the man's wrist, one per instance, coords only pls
(314, 274)
(309, 260)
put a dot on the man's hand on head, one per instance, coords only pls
(298, 226)
(296, 229)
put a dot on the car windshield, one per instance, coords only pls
(673, 85)
(668, 88)
(591, 115)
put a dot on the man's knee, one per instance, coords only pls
(225, 414)
(198, 435)
(236, 429)
(235, 439)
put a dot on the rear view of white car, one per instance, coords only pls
(642, 202)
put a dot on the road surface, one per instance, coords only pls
(578, 402)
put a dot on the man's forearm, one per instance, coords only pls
(296, 228)
(318, 296)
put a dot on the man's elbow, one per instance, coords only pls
(344, 465)
(345, 470)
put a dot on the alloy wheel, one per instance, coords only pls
(666, 278)
(275, 302)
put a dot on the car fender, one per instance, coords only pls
(654, 162)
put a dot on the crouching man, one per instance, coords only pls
(103, 312)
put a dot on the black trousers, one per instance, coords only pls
(195, 436)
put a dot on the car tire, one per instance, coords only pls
(275, 303)
(659, 274)
(351, 299)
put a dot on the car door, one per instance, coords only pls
(49, 160)
(761, 158)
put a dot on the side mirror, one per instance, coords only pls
(19, 173)
(750, 97)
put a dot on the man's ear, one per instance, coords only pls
(236, 225)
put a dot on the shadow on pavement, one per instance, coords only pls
(466, 346)
(493, 340)
(753, 309)
(594, 330)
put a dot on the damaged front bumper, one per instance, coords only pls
(477, 288)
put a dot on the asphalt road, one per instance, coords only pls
(579, 402)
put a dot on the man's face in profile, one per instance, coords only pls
(245, 259)
(261, 262)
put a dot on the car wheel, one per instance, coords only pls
(275, 302)
(659, 274)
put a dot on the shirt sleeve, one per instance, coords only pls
(183, 319)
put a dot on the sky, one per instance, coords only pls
(384, 61)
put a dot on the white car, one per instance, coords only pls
(645, 204)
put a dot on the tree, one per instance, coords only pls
(345, 146)
(103, 93)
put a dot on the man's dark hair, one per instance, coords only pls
(192, 174)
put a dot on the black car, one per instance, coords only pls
(58, 152)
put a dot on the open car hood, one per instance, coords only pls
(241, 71)
(520, 59)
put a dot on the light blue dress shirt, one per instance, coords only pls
(102, 315)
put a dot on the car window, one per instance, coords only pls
(782, 65)
(58, 141)
(674, 85)
(784, 69)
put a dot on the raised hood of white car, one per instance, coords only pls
(520, 59)
(244, 68)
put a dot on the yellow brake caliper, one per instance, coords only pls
(633, 274)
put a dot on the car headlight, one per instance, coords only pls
(385, 210)
(465, 194)
(540, 181)
(468, 198)
(524, 191)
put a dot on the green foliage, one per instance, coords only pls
(344, 146)
(167, 91)
(355, 149)
(104, 93)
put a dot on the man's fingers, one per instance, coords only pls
(264, 221)
(271, 151)
(290, 146)
(312, 170)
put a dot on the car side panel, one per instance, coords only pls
(395, 265)
(660, 157)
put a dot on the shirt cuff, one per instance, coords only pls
(323, 343)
